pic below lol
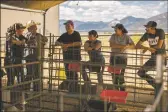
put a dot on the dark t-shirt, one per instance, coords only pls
(153, 40)
(72, 53)
(13, 50)
(95, 55)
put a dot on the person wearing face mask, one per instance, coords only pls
(156, 39)
(33, 37)
(93, 48)
(119, 42)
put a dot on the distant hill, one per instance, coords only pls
(100, 26)
(133, 24)
(130, 20)
(161, 19)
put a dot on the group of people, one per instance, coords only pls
(120, 41)
(71, 43)
(19, 48)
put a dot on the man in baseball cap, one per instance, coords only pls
(15, 44)
(70, 41)
(151, 24)
(15, 49)
(156, 40)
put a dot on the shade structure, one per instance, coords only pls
(33, 4)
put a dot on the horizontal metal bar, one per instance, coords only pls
(20, 84)
(18, 65)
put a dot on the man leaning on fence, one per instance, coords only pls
(34, 39)
(71, 44)
(156, 40)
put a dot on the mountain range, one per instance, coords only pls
(132, 24)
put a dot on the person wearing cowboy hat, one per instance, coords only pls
(119, 42)
(156, 39)
(32, 44)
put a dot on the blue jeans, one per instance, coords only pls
(14, 71)
(151, 63)
(93, 68)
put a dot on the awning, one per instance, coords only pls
(33, 4)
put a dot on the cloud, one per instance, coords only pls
(80, 10)
(67, 13)
(109, 10)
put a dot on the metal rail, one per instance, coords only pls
(50, 60)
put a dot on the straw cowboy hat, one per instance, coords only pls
(31, 23)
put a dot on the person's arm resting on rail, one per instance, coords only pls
(140, 46)
(86, 47)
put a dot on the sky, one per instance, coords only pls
(109, 10)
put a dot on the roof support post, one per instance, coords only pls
(44, 22)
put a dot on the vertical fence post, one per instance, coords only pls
(1, 72)
(61, 102)
(141, 57)
(59, 57)
(159, 78)
(23, 101)
(80, 87)
(50, 47)
(39, 68)
(52, 59)
(135, 75)
(167, 88)
(105, 105)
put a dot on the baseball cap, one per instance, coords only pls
(19, 26)
(69, 22)
(151, 24)
(31, 23)
(120, 26)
